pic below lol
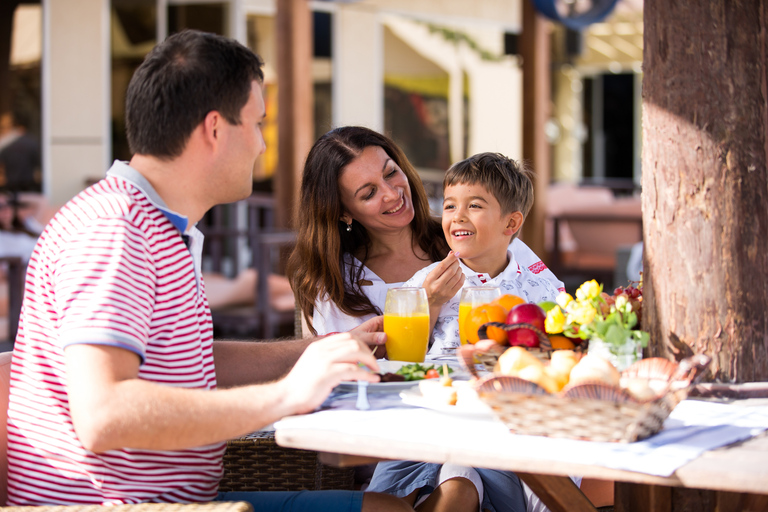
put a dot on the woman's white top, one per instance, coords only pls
(329, 318)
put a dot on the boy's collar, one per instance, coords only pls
(484, 276)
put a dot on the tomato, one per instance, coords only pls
(432, 374)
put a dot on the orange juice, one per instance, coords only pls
(463, 310)
(471, 297)
(407, 337)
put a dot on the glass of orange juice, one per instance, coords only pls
(471, 297)
(406, 322)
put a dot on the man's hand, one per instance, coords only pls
(371, 332)
(444, 281)
(323, 365)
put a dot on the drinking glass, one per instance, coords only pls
(471, 297)
(406, 322)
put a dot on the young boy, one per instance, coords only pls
(486, 200)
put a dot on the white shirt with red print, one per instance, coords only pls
(515, 280)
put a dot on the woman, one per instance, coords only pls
(364, 226)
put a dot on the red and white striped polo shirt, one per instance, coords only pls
(111, 268)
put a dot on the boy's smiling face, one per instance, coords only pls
(476, 229)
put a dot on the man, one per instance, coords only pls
(113, 392)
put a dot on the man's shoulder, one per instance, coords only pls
(109, 201)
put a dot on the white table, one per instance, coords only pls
(349, 437)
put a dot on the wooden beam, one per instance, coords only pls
(7, 8)
(558, 493)
(295, 99)
(640, 497)
(535, 51)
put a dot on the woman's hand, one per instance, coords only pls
(371, 332)
(444, 281)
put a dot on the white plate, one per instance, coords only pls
(386, 366)
(468, 404)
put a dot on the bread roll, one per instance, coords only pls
(539, 375)
(515, 359)
(594, 368)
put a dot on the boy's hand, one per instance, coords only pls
(444, 281)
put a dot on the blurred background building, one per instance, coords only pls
(444, 78)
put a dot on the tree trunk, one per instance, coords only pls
(705, 183)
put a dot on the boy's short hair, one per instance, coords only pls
(180, 81)
(509, 181)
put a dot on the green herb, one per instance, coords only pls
(417, 371)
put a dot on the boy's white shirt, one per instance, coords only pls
(328, 318)
(514, 279)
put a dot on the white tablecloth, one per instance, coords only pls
(693, 428)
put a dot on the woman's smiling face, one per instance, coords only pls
(375, 192)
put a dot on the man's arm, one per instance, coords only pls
(249, 362)
(111, 408)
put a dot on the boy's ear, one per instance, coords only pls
(514, 223)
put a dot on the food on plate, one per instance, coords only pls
(594, 368)
(417, 371)
(515, 359)
(390, 377)
(439, 391)
(435, 392)
(482, 315)
(527, 314)
(508, 301)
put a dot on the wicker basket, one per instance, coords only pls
(257, 463)
(591, 411)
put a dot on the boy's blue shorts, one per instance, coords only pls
(298, 501)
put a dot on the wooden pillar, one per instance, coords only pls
(535, 50)
(7, 8)
(705, 183)
(295, 100)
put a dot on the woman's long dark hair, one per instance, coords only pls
(316, 266)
